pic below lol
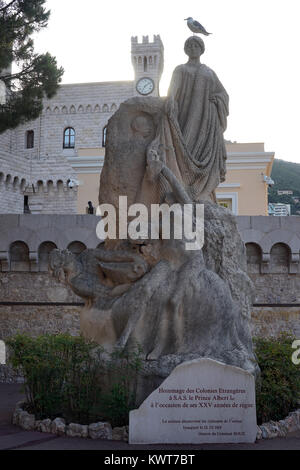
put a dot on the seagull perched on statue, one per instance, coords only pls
(196, 27)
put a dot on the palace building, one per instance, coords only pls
(52, 165)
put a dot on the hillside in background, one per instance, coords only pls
(286, 176)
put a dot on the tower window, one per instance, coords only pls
(69, 138)
(104, 136)
(26, 205)
(145, 64)
(29, 139)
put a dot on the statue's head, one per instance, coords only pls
(194, 46)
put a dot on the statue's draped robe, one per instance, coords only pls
(173, 301)
(192, 132)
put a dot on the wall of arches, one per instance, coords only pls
(11, 192)
(272, 243)
(26, 240)
(277, 261)
(34, 302)
(272, 252)
(273, 257)
(20, 259)
(82, 108)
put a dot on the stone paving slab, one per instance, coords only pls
(64, 443)
(23, 439)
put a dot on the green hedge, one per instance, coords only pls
(69, 377)
(278, 390)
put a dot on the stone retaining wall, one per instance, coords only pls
(271, 321)
(51, 307)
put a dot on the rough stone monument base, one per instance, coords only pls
(202, 401)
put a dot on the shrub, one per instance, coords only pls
(277, 392)
(123, 369)
(69, 377)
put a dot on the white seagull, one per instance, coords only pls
(196, 27)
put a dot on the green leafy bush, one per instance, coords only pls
(69, 377)
(123, 371)
(278, 390)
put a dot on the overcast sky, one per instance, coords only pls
(254, 49)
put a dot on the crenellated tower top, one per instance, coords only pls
(148, 61)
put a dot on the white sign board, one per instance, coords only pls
(202, 401)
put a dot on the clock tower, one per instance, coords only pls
(148, 63)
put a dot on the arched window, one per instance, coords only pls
(145, 64)
(104, 136)
(69, 138)
(29, 139)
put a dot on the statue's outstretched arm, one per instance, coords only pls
(179, 192)
(155, 166)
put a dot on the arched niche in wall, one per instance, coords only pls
(60, 186)
(23, 184)
(254, 257)
(50, 186)
(8, 180)
(16, 182)
(280, 258)
(44, 250)
(19, 256)
(40, 186)
(76, 247)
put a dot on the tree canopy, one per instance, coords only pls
(37, 75)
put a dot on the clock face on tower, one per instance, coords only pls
(145, 86)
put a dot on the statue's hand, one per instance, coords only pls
(213, 99)
(154, 164)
